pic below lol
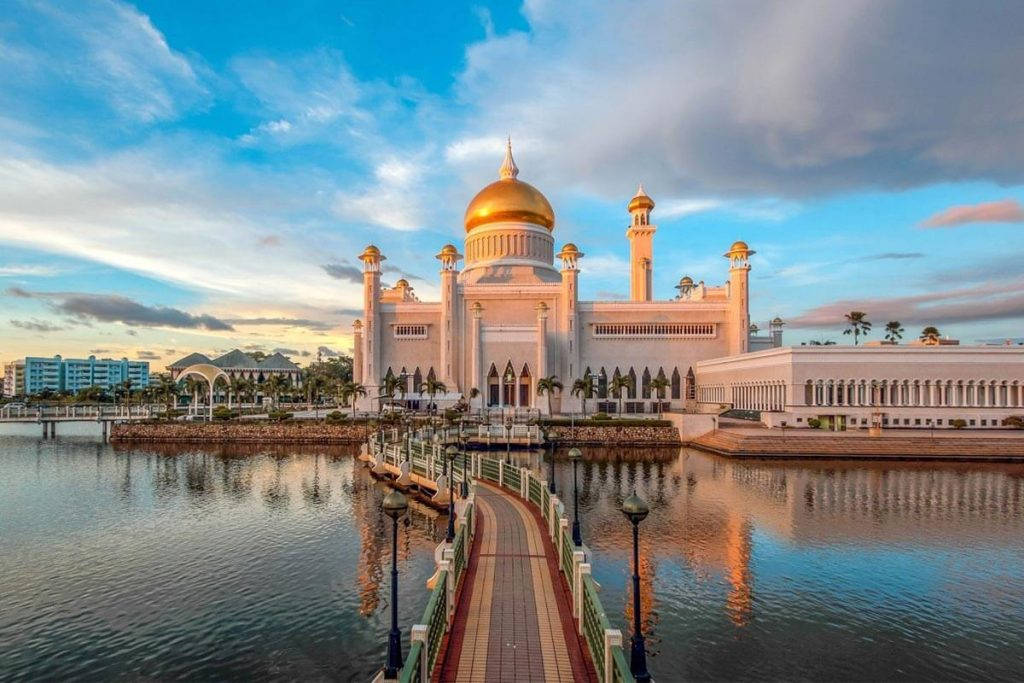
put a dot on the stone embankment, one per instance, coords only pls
(305, 431)
(618, 432)
(861, 446)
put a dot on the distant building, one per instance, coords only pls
(760, 342)
(238, 364)
(14, 378)
(843, 387)
(75, 374)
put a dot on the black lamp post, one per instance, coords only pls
(395, 506)
(551, 453)
(462, 445)
(452, 452)
(508, 439)
(636, 510)
(575, 454)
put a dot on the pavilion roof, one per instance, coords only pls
(190, 359)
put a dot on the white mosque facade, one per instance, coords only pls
(510, 314)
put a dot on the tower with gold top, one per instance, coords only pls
(508, 316)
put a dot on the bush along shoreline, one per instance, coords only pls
(245, 431)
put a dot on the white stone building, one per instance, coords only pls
(510, 316)
(920, 386)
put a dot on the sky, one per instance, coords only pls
(199, 176)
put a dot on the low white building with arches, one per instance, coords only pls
(848, 386)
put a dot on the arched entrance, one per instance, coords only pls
(208, 372)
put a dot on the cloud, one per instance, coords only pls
(341, 271)
(96, 352)
(35, 325)
(148, 355)
(328, 352)
(28, 271)
(614, 296)
(1004, 211)
(315, 325)
(995, 300)
(131, 333)
(892, 256)
(18, 292)
(287, 352)
(754, 97)
(113, 308)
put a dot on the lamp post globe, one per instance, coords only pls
(577, 538)
(635, 509)
(395, 506)
(451, 452)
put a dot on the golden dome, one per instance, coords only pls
(449, 249)
(640, 200)
(509, 199)
(686, 281)
(570, 248)
(739, 248)
(402, 283)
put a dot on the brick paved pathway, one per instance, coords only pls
(514, 620)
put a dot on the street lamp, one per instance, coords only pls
(462, 445)
(575, 454)
(551, 452)
(395, 507)
(636, 511)
(508, 438)
(452, 452)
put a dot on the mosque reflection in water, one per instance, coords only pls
(781, 551)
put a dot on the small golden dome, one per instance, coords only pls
(739, 248)
(686, 281)
(370, 253)
(402, 283)
(509, 199)
(449, 249)
(570, 248)
(640, 201)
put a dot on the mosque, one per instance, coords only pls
(510, 315)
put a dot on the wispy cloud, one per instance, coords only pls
(1004, 211)
(308, 323)
(35, 325)
(342, 271)
(15, 270)
(892, 256)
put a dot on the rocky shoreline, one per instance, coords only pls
(305, 431)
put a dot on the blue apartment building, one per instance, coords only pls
(73, 374)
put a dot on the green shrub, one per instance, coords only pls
(336, 416)
(279, 415)
(600, 416)
(958, 423)
(1015, 421)
(224, 413)
(814, 423)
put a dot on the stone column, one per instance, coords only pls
(476, 341)
(542, 350)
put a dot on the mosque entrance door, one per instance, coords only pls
(493, 387)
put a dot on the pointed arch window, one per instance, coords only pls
(602, 384)
(691, 384)
(631, 389)
(676, 384)
(417, 379)
(645, 386)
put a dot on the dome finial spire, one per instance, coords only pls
(508, 166)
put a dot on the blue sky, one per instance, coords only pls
(176, 176)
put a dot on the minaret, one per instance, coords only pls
(371, 258)
(776, 328)
(570, 256)
(739, 297)
(357, 351)
(641, 252)
(449, 257)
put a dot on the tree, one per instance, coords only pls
(930, 335)
(389, 387)
(617, 385)
(350, 391)
(192, 388)
(660, 384)
(314, 385)
(126, 390)
(548, 385)
(431, 387)
(167, 389)
(584, 388)
(821, 342)
(236, 388)
(893, 331)
(274, 385)
(857, 325)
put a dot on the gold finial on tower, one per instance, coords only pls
(508, 169)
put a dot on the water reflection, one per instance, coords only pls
(180, 562)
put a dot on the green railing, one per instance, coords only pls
(512, 477)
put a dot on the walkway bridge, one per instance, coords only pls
(49, 416)
(513, 598)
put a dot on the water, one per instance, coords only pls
(272, 563)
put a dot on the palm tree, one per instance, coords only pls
(548, 385)
(893, 331)
(857, 324)
(274, 385)
(821, 342)
(126, 390)
(350, 391)
(392, 385)
(192, 387)
(617, 385)
(930, 334)
(660, 384)
(168, 389)
(236, 387)
(314, 384)
(432, 387)
(584, 388)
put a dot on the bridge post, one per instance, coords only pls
(524, 482)
(53, 429)
(419, 635)
(563, 524)
(501, 474)
(552, 517)
(45, 427)
(612, 639)
(579, 570)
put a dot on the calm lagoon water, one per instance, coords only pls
(271, 563)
